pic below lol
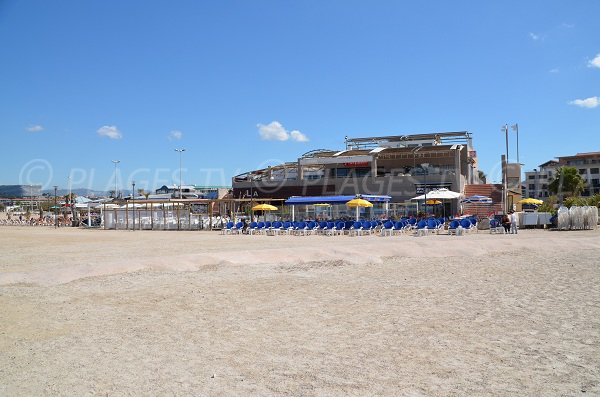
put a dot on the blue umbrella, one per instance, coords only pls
(477, 199)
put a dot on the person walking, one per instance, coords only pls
(506, 223)
(514, 219)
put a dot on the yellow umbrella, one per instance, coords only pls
(264, 207)
(531, 201)
(433, 202)
(359, 203)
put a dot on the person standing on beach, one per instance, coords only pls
(506, 223)
(513, 222)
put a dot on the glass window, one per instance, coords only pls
(581, 171)
(594, 171)
(531, 176)
(531, 186)
(341, 172)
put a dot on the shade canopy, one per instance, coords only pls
(438, 194)
(531, 201)
(359, 203)
(477, 199)
(264, 207)
(308, 200)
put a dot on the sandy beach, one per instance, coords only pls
(118, 313)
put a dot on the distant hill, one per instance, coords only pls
(77, 192)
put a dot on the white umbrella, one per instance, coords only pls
(438, 194)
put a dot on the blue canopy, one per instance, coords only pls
(294, 200)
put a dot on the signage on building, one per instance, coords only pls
(357, 164)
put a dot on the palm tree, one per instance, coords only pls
(482, 176)
(567, 181)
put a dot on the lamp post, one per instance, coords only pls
(251, 198)
(115, 162)
(180, 151)
(515, 128)
(505, 171)
(55, 217)
(133, 201)
(425, 172)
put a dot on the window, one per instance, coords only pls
(341, 172)
(596, 182)
(594, 171)
(531, 177)
(531, 186)
(545, 194)
(545, 186)
(581, 171)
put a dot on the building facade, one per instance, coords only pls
(537, 181)
(587, 164)
(398, 166)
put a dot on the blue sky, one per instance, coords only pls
(86, 82)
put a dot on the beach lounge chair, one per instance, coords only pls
(434, 225)
(355, 229)
(421, 228)
(253, 228)
(228, 229)
(329, 229)
(496, 227)
(300, 228)
(388, 228)
(467, 225)
(453, 226)
(288, 227)
(339, 228)
(276, 228)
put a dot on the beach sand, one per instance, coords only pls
(117, 313)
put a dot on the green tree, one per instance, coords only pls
(567, 182)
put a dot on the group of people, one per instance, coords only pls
(509, 222)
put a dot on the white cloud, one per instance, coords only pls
(110, 131)
(589, 103)
(175, 135)
(274, 131)
(298, 136)
(35, 128)
(555, 70)
(534, 36)
(594, 63)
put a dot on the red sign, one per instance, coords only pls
(357, 164)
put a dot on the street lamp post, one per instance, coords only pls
(251, 196)
(425, 172)
(180, 183)
(55, 217)
(505, 171)
(115, 162)
(515, 128)
(133, 201)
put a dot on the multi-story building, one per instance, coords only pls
(193, 191)
(399, 166)
(536, 181)
(588, 165)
